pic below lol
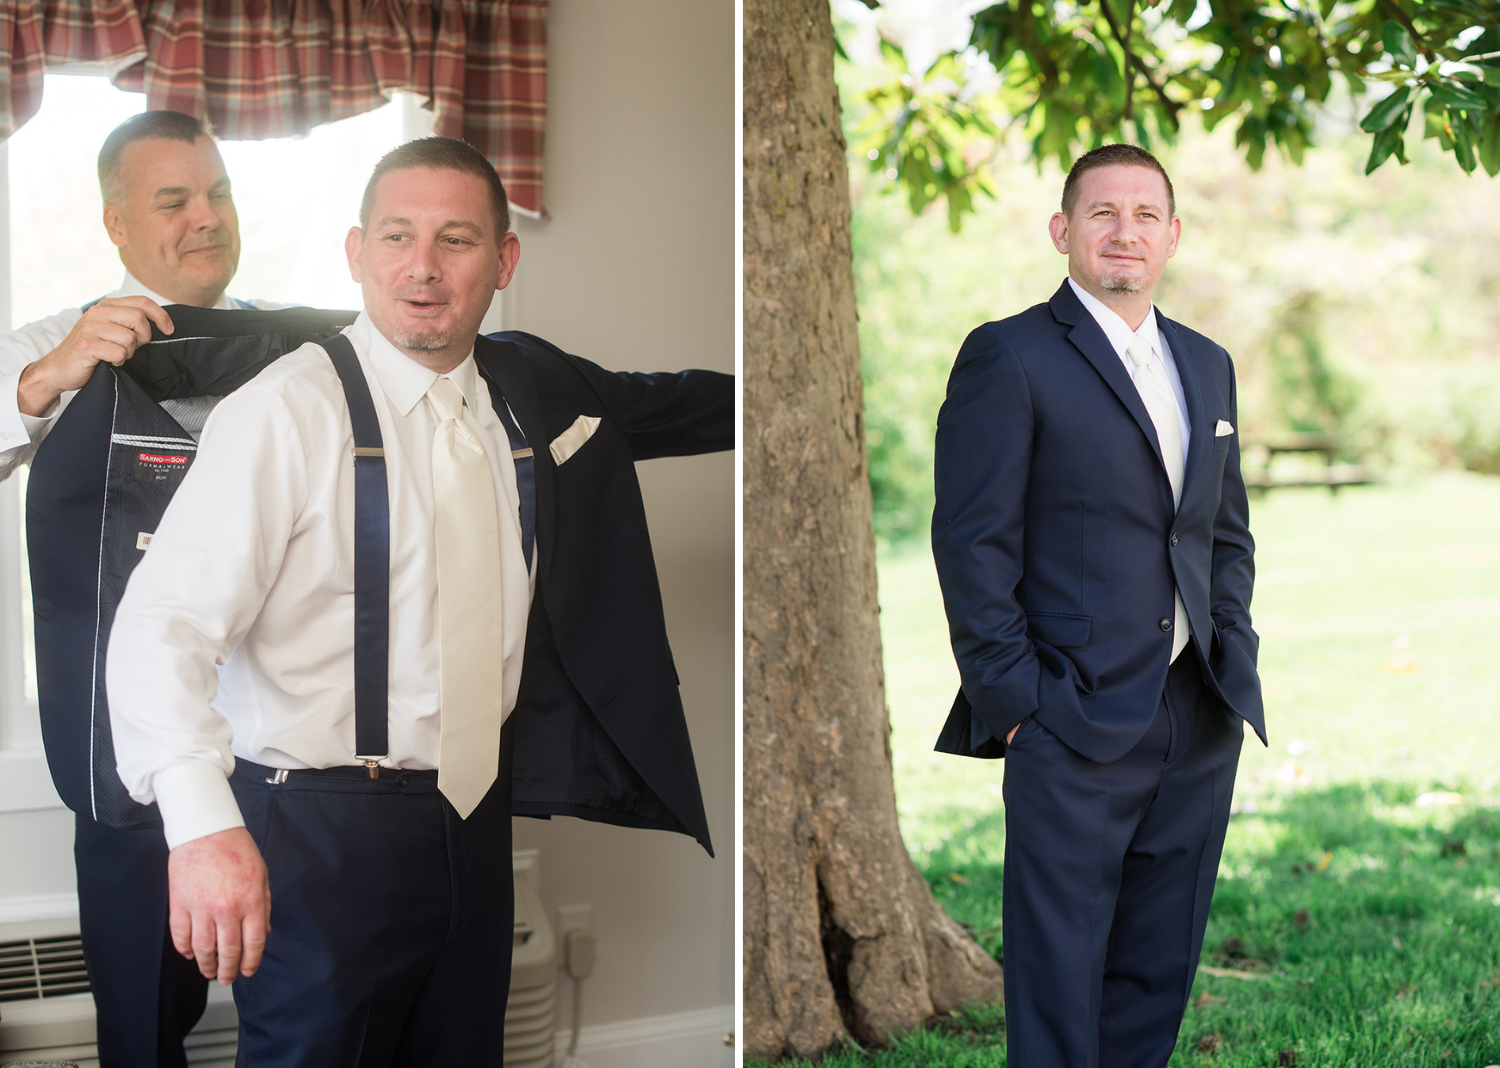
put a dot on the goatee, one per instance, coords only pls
(422, 340)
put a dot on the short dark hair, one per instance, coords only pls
(442, 154)
(163, 125)
(1113, 156)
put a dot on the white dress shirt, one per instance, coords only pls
(1118, 331)
(251, 571)
(20, 434)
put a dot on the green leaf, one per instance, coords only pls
(1386, 142)
(1489, 147)
(1385, 112)
(1398, 43)
(1435, 124)
(1400, 127)
(1463, 146)
(1457, 95)
(1142, 136)
(1252, 135)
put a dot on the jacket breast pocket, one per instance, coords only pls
(1221, 443)
(1058, 630)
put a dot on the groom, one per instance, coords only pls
(1091, 539)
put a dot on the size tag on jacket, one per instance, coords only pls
(160, 467)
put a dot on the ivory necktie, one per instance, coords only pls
(469, 603)
(1151, 382)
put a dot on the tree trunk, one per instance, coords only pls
(841, 934)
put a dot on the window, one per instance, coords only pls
(296, 199)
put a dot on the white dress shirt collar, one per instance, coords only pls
(134, 287)
(403, 379)
(1116, 329)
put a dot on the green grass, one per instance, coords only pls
(1379, 615)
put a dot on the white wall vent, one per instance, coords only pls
(33, 968)
(531, 1011)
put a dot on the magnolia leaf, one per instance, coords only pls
(1457, 95)
(1463, 147)
(1398, 43)
(1489, 147)
(1064, 68)
(1381, 149)
(1253, 138)
(1385, 112)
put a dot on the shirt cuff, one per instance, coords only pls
(195, 800)
(17, 428)
(33, 424)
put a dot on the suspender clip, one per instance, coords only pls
(373, 763)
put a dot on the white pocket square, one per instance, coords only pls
(1224, 429)
(572, 439)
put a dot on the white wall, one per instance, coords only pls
(635, 270)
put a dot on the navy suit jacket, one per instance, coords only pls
(1056, 541)
(599, 727)
(599, 732)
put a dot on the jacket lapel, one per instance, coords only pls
(1200, 434)
(1088, 337)
(503, 367)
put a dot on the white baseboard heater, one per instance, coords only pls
(47, 1012)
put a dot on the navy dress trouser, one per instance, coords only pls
(1109, 872)
(147, 997)
(391, 921)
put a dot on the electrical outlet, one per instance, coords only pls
(574, 917)
(527, 864)
(580, 948)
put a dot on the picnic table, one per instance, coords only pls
(1259, 479)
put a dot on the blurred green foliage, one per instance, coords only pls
(1369, 306)
(1073, 76)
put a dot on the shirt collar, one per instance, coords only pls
(1116, 329)
(134, 287)
(403, 379)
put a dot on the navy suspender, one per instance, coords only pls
(372, 549)
(520, 452)
(372, 563)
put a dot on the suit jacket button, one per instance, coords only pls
(1174, 537)
(1165, 624)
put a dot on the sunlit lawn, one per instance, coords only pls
(1379, 616)
(1371, 911)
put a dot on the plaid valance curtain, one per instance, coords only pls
(272, 68)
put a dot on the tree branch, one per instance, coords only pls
(1133, 60)
(1417, 40)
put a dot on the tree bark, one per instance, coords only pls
(841, 934)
